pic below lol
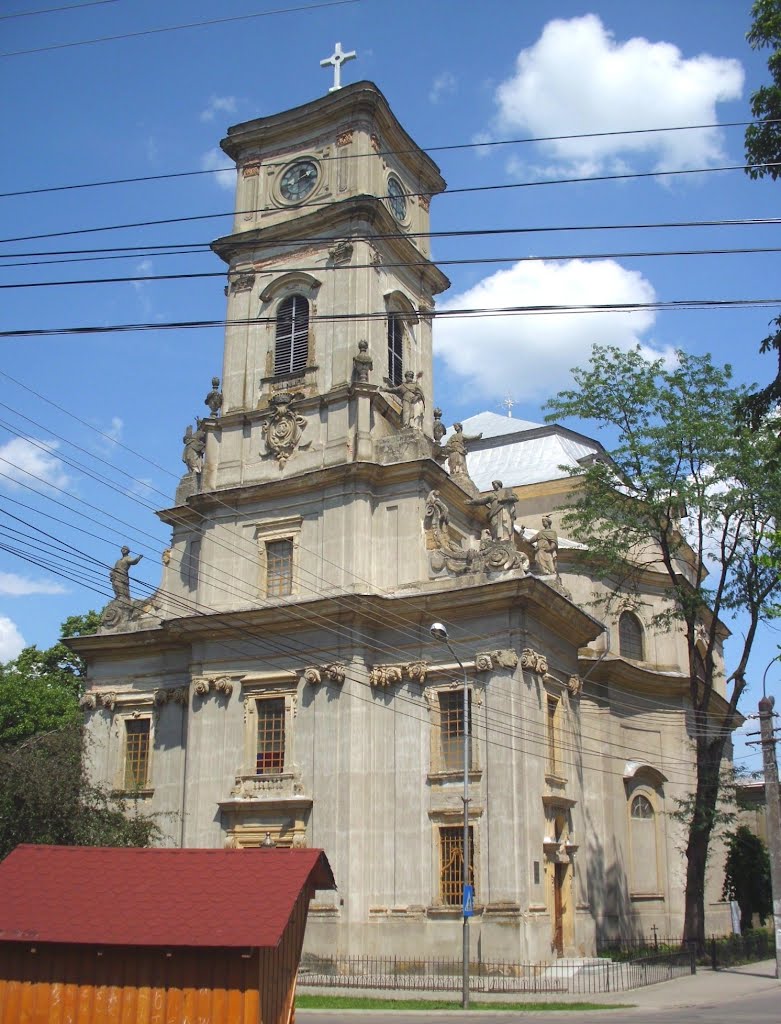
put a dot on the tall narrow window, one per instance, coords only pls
(451, 730)
(451, 864)
(642, 825)
(630, 636)
(551, 714)
(395, 347)
(279, 568)
(136, 752)
(292, 340)
(270, 753)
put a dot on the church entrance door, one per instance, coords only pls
(559, 908)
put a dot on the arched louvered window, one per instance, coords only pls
(630, 636)
(395, 340)
(292, 340)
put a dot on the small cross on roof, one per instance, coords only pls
(337, 58)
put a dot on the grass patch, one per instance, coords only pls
(310, 1002)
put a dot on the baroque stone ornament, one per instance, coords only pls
(447, 555)
(546, 548)
(214, 398)
(505, 657)
(439, 429)
(220, 685)
(177, 695)
(334, 672)
(282, 431)
(88, 702)
(574, 686)
(455, 449)
(531, 661)
(362, 364)
(194, 442)
(242, 281)
(385, 675)
(501, 511)
(416, 671)
(341, 253)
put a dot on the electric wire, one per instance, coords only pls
(495, 143)
(55, 10)
(404, 264)
(179, 28)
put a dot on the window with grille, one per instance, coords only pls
(630, 636)
(451, 730)
(270, 750)
(552, 728)
(292, 339)
(136, 752)
(279, 568)
(451, 865)
(395, 346)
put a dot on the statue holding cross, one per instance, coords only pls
(337, 58)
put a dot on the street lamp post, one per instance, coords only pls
(439, 633)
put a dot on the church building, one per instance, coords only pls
(283, 686)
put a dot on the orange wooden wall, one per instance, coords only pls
(127, 985)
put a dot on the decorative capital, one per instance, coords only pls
(251, 168)
(416, 671)
(220, 685)
(531, 661)
(344, 138)
(88, 702)
(242, 281)
(385, 675)
(575, 686)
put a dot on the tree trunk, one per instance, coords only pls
(709, 757)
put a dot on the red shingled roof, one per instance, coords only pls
(135, 897)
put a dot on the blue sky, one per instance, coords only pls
(454, 72)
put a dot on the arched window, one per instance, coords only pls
(395, 348)
(643, 846)
(292, 339)
(630, 636)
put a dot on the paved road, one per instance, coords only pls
(757, 1009)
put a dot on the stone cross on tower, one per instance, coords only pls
(337, 58)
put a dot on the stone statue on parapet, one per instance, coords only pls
(120, 574)
(362, 363)
(122, 612)
(546, 548)
(194, 447)
(456, 449)
(501, 511)
(214, 398)
(413, 401)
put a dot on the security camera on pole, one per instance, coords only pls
(439, 633)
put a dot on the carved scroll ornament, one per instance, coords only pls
(387, 675)
(575, 686)
(486, 661)
(205, 685)
(531, 661)
(333, 672)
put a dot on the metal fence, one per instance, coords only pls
(719, 951)
(575, 976)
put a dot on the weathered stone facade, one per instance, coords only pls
(283, 682)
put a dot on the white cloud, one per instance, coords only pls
(532, 354)
(577, 78)
(216, 160)
(144, 268)
(218, 104)
(11, 640)
(31, 462)
(19, 586)
(443, 85)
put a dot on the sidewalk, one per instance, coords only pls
(705, 988)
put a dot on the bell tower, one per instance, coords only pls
(329, 249)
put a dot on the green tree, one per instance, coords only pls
(747, 876)
(46, 797)
(39, 690)
(763, 157)
(687, 495)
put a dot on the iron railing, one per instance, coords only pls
(573, 976)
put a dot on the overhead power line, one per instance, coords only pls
(55, 10)
(178, 28)
(141, 178)
(367, 266)
(452, 314)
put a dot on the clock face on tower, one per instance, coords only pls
(298, 180)
(397, 198)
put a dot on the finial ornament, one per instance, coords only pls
(337, 58)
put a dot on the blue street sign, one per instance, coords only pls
(469, 900)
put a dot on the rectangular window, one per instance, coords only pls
(395, 348)
(451, 730)
(552, 707)
(451, 865)
(279, 568)
(270, 749)
(136, 752)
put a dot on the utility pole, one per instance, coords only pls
(773, 815)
